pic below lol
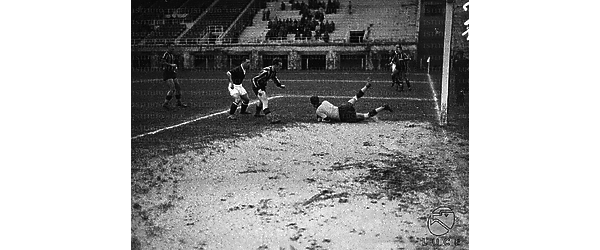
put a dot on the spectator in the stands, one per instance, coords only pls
(319, 15)
(308, 34)
(318, 31)
(350, 7)
(336, 6)
(330, 26)
(282, 5)
(367, 35)
(281, 35)
(326, 37)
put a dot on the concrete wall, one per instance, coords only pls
(294, 52)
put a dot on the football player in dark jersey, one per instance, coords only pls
(170, 77)
(399, 62)
(236, 90)
(259, 86)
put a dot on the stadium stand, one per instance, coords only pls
(154, 22)
(392, 20)
(194, 9)
(215, 21)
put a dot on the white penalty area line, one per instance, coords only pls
(194, 120)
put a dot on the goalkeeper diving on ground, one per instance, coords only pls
(327, 112)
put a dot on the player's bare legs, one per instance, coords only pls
(242, 100)
(178, 93)
(396, 78)
(244, 106)
(361, 92)
(264, 106)
(174, 88)
(407, 82)
(171, 85)
(363, 116)
(402, 78)
(259, 106)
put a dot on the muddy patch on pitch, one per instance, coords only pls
(401, 174)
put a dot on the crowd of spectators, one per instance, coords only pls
(330, 7)
(302, 29)
(312, 20)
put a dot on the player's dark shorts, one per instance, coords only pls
(399, 70)
(255, 89)
(347, 113)
(167, 74)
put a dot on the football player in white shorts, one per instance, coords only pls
(236, 90)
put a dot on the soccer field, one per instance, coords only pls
(201, 181)
(207, 95)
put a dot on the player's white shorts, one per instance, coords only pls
(237, 91)
(393, 67)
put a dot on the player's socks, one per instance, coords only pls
(166, 102)
(244, 108)
(178, 97)
(258, 109)
(361, 93)
(372, 113)
(377, 110)
(232, 108)
(266, 111)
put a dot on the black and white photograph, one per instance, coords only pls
(315, 124)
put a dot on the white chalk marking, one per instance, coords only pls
(438, 112)
(194, 120)
(435, 100)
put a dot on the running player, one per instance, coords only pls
(170, 77)
(236, 90)
(259, 86)
(399, 62)
(327, 112)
